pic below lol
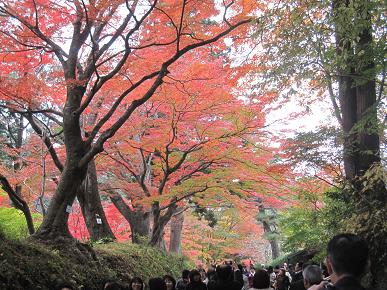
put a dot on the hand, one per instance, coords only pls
(319, 286)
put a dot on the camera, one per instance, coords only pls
(329, 286)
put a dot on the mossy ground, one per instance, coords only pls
(32, 265)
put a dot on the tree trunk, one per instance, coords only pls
(275, 252)
(358, 102)
(92, 210)
(266, 221)
(55, 222)
(176, 230)
(140, 226)
(272, 240)
(18, 202)
(159, 223)
(139, 220)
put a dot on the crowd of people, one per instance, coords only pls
(346, 261)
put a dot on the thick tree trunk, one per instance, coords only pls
(92, 210)
(159, 223)
(358, 102)
(138, 219)
(55, 222)
(177, 222)
(140, 226)
(275, 252)
(265, 219)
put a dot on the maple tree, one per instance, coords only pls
(103, 44)
(183, 148)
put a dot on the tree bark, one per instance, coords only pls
(275, 252)
(358, 103)
(92, 210)
(138, 219)
(159, 223)
(265, 220)
(54, 224)
(177, 222)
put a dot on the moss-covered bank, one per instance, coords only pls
(27, 265)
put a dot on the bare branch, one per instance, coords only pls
(185, 196)
(180, 25)
(38, 130)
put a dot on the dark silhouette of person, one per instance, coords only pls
(346, 262)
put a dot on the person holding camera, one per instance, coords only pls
(312, 275)
(346, 262)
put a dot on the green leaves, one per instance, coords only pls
(309, 227)
(13, 223)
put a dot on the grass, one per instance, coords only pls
(31, 265)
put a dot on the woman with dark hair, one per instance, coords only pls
(157, 284)
(261, 280)
(282, 281)
(170, 282)
(195, 281)
(63, 285)
(113, 285)
(136, 284)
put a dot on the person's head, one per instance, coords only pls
(112, 285)
(136, 284)
(157, 284)
(185, 275)
(224, 272)
(170, 282)
(194, 276)
(211, 273)
(282, 272)
(203, 274)
(347, 254)
(261, 280)
(64, 286)
(270, 269)
(312, 275)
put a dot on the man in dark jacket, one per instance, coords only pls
(347, 260)
(297, 272)
(195, 281)
(227, 279)
(183, 282)
(298, 278)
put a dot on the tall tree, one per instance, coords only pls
(105, 41)
(358, 103)
(335, 50)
